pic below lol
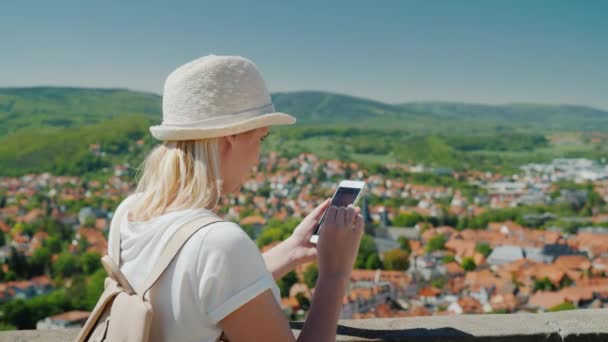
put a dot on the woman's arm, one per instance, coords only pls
(296, 250)
(280, 259)
(261, 319)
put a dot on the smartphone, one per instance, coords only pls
(348, 193)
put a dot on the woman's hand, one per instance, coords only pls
(339, 242)
(296, 249)
(302, 250)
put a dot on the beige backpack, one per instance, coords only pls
(122, 313)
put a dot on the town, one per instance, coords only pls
(437, 242)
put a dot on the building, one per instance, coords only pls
(70, 319)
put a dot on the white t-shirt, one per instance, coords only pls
(218, 270)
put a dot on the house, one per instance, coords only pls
(465, 305)
(70, 319)
(546, 300)
(255, 221)
(550, 252)
(385, 245)
(429, 295)
(505, 254)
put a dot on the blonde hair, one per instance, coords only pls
(178, 175)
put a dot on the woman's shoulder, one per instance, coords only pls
(224, 243)
(227, 235)
(124, 204)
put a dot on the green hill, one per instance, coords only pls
(50, 129)
(533, 117)
(59, 107)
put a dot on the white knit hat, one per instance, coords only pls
(215, 96)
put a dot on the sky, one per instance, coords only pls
(491, 52)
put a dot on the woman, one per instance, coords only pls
(216, 112)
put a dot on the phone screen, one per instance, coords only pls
(342, 198)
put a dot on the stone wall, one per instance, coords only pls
(565, 326)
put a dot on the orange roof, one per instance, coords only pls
(470, 305)
(483, 278)
(506, 301)
(453, 268)
(256, 219)
(429, 291)
(39, 236)
(547, 300)
(4, 227)
(554, 273)
(290, 302)
(573, 262)
(101, 223)
(576, 293)
(32, 216)
(71, 316)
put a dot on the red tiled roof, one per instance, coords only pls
(252, 220)
(573, 262)
(71, 316)
(546, 300)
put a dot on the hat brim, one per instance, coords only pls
(168, 132)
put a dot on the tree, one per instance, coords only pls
(89, 221)
(92, 290)
(397, 260)
(438, 283)
(66, 265)
(269, 235)
(373, 262)
(18, 313)
(18, 263)
(562, 307)
(404, 244)
(53, 242)
(468, 264)
(544, 284)
(91, 262)
(10, 276)
(367, 247)
(25, 313)
(286, 283)
(303, 301)
(408, 220)
(436, 243)
(40, 262)
(484, 249)
(448, 258)
(310, 275)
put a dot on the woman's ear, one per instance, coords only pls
(227, 143)
(230, 140)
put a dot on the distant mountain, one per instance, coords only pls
(52, 128)
(533, 116)
(60, 107)
(314, 107)
(51, 108)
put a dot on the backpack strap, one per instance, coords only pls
(112, 263)
(115, 231)
(174, 245)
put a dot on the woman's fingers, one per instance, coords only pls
(320, 209)
(341, 217)
(350, 216)
(359, 222)
(330, 216)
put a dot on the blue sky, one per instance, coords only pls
(393, 51)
